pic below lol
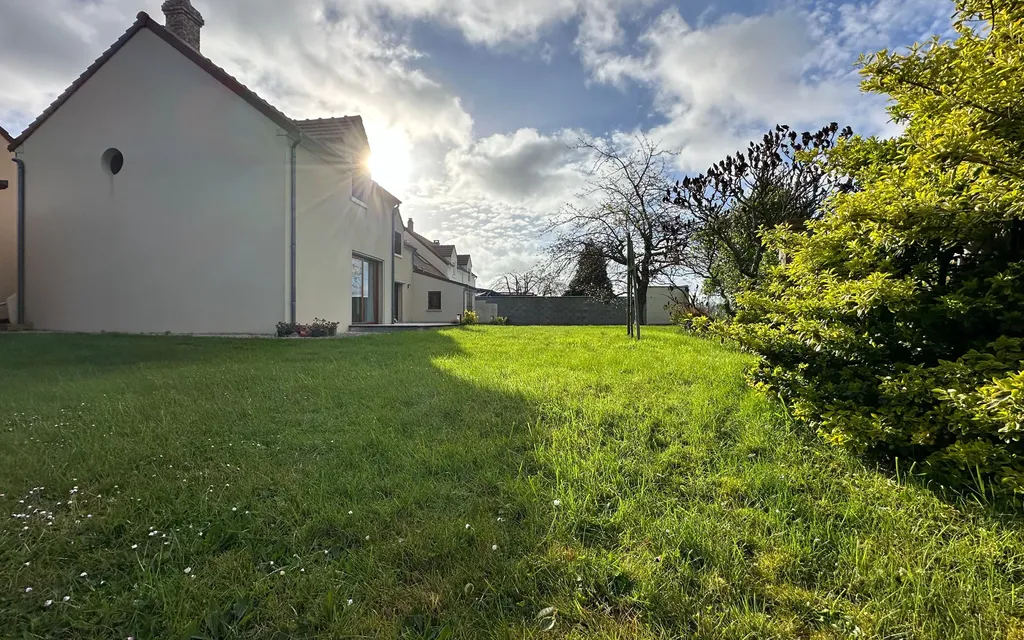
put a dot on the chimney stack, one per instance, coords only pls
(184, 21)
(409, 226)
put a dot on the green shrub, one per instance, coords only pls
(690, 317)
(895, 323)
(469, 317)
(502, 320)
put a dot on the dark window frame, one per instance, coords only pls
(375, 283)
(396, 243)
(430, 301)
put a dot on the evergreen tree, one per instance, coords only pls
(591, 278)
(896, 323)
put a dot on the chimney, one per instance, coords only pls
(409, 226)
(437, 242)
(184, 21)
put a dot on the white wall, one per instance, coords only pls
(331, 227)
(8, 225)
(403, 270)
(657, 299)
(452, 299)
(189, 237)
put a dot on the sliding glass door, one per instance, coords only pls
(365, 290)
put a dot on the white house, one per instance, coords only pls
(8, 230)
(161, 194)
(433, 282)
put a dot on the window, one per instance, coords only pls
(113, 161)
(361, 188)
(433, 301)
(365, 290)
(398, 243)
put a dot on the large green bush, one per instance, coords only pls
(895, 322)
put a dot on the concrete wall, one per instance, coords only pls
(189, 237)
(658, 298)
(577, 310)
(331, 228)
(8, 224)
(485, 311)
(452, 299)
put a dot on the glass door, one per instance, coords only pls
(365, 290)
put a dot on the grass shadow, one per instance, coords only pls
(352, 466)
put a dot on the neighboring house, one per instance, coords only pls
(163, 195)
(433, 282)
(8, 229)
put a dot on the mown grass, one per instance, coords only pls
(324, 488)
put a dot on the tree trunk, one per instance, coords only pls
(641, 299)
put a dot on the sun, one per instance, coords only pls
(390, 159)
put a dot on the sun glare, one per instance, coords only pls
(390, 160)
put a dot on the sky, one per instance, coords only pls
(472, 107)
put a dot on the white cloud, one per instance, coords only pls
(717, 83)
(524, 167)
(724, 82)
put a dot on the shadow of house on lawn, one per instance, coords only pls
(318, 472)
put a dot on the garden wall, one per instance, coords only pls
(575, 310)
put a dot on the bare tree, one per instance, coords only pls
(532, 282)
(624, 199)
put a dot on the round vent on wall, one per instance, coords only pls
(113, 161)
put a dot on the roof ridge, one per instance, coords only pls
(429, 244)
(143, 20)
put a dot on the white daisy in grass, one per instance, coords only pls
(350, 602)
(494, 547)
(135, 546)
(83, 575)
(467, 525)
(66, 598)
(557, 503)
(28, 589)
(48, 603)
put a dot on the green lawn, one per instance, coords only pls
(454, 484)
